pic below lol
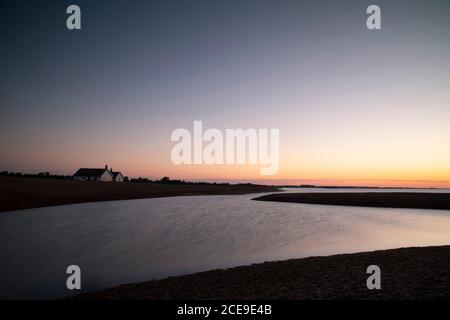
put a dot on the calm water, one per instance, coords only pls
(136, 240)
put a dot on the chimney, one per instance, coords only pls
(106, 166)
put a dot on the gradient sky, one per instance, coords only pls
(353, 106)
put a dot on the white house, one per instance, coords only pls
(94, 174)
(117, 176)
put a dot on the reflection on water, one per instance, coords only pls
(137, 240)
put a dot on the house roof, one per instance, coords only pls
(116, 173)
(89, 172)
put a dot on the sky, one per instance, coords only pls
(353, 106)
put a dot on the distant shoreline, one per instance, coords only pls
(406, 273)
(409, 200)
(359, 187)
(18, 193)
